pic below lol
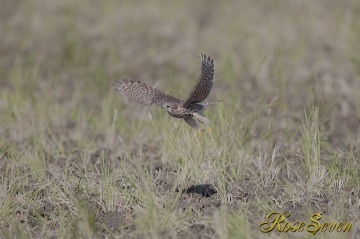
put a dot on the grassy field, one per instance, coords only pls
(77, 160)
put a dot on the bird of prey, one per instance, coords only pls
(191, 109)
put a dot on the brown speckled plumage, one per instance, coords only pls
(142, 93)
(190, 109)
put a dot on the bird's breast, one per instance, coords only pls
(181, 112)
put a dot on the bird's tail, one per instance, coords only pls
(202, 119)
(212, 102)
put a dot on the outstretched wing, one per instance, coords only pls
(203, 86)
(142, 93)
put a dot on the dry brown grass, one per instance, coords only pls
(78, 161)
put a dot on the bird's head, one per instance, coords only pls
(169, 106)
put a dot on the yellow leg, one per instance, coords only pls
(209, 130)
(198, 134)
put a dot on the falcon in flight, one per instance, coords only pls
(191, 109)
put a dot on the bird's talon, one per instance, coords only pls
(198, 134)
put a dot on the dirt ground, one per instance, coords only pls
(78, 160)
